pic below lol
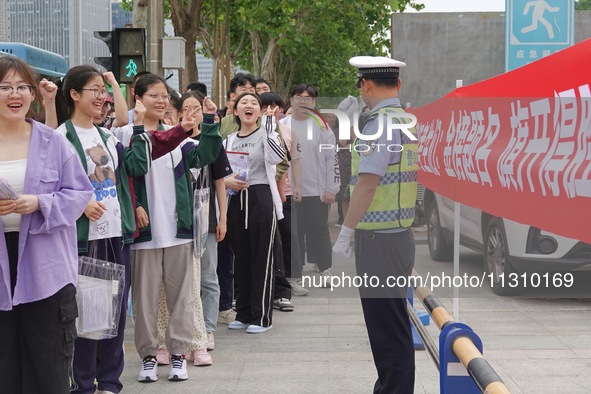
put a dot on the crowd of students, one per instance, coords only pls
(99, 179)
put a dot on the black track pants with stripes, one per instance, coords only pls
(251, 230)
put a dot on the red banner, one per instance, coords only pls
(517, 145)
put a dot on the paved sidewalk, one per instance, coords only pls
(321, 347)
(537, 345)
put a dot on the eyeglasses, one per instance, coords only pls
(190, 108)
(22, 90)
(98, 93)
(303, 99)
(155, 96)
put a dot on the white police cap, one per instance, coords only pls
(376, 67)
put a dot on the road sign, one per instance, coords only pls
(536, 28)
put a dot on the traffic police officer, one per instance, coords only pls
(383, 197)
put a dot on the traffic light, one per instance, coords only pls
(109, 38)
(131, 53)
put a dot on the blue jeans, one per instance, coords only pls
(210, 288)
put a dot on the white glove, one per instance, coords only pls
(343, 244)
(350, 107)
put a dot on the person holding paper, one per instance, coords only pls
(38, 254)
(253, 213)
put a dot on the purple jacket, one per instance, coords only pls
(47, 250)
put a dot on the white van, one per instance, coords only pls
(508, 247)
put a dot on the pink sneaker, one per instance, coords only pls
(201, 358)
(163, 357)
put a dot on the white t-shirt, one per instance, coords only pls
(100, 165)
(253, 145)
(309, 153)
(161, 191)
(13, 172)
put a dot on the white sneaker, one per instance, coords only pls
(227, 316)
(210, 341)
(178, 368)
(315, 267)
(283, 304)
(296, 287)
(254, 329)
(238, 325)
(149, 371)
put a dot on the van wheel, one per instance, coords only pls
(439, 249)
(496, 258)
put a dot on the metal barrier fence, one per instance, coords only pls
(462, 367)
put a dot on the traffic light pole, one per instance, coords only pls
(155, 30)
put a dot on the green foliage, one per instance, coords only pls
(317, 37)
(313, 39)
(583, 5)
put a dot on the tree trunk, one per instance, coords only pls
(185, 20)
(190, 73)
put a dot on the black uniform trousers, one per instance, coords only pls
(103, 360)
(313, 235)
(251, 231)
(37, 339)
(225, 271)
(384, 309)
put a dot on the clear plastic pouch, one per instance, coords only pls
(201, 197)
(99, 297)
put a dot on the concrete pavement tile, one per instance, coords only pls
(345, 301)
(293, 345)
(351, 344)
(350, 318)
(352, 369)
(352, 386)
(484, 329)
(262, 371)
(349, 330)
(559, 369)
(309, 309)
(583, 353)
(235, 340)
(551, 354)
(427, 383)
(310, 299)
(496, 342)
(281, 385)
(574, 328)
(354, 309)
(575, 341)
(549, 385)
(493, 355)
(556, 305)
(255, 356)
(346, 356)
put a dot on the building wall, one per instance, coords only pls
(62, 26)
(4, 21)
(440, 48)
(120, 17)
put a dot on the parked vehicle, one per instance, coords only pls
(508, 247)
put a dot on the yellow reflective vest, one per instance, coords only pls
(393, 205)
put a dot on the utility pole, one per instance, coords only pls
(155, 30)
